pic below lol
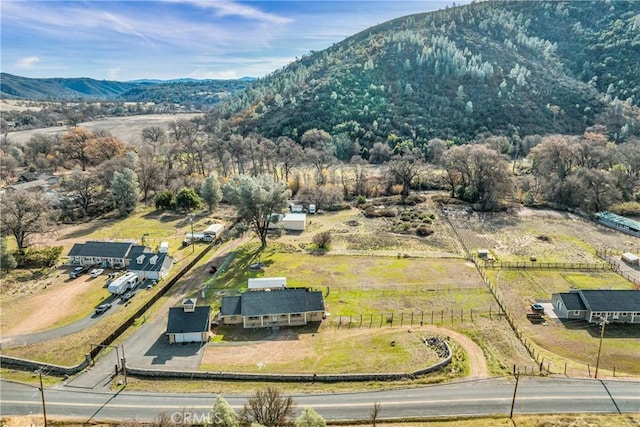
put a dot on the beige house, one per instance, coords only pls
(283, 307)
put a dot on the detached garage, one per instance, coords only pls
(294, 221)
(189, 323)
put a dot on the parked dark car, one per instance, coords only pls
(102, 308)
(79, 271)
(537, 308)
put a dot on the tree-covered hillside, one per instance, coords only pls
(512, 68)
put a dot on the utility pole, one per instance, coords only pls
(44, 408)
(124, 366)
(193, 240)
(513, 401)
(603, 322)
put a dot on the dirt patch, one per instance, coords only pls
(48, 307)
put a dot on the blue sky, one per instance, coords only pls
(221, 39)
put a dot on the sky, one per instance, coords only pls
(170, 39)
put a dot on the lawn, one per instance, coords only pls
(326, 350)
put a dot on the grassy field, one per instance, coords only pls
(128, 129)
(327, 350)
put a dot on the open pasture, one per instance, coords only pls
(327, 351)
(128, 129)
(549, 236)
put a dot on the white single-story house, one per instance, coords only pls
(106, 254)
(617, 306)
(284, 307)
(189, 323)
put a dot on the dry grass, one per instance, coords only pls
(128, 129)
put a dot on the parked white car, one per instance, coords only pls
(96, 272)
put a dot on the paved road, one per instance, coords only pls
(479, 397)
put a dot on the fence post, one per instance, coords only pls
(421, 317)
(451, 316)
(565, 369)
(401, 318)
(442, 316)
(432, 317)
(371, 321)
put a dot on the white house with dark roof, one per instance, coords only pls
(106, 254)
(617, 306)
(284, 307)
(149, 265)
(189, 323)
(136, 258)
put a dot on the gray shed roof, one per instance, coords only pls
(612, 300)
(262, 303)
(101, 249)
(162, 262)
(230, 306)
(572, 301)
(182, 322)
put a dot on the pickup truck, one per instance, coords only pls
(78, 271)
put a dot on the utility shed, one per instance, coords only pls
(214, 230)
(261, 283)
(631, 259)
(294, 221)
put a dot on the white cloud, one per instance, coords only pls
(230, 8)
(112, 74)
(27, 62)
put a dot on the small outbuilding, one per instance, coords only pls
(189, 323)
(261, 283)
(631, 259)
(294, 221)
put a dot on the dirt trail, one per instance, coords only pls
(477, 363)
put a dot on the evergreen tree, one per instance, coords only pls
(210, 192)
(125, 190)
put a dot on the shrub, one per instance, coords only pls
(424, 231)
(322, 240)
(361, 200)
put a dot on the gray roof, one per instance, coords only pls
(230, 306)
(183, 322)
(612, 300)
(163, 262)
(262, 303)
(101, 249)
(572, 301)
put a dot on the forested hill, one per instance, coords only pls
(490, 67)
(199, 92)
(17, 87)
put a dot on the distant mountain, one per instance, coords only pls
(512, 68)
(16, 87)
(175, 91)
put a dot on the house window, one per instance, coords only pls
(234, 317)
(296, 315)
(623, 314)
(576, 313)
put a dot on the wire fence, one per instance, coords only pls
(412, 318)
(546, 265)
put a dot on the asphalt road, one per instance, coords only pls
(480, 397)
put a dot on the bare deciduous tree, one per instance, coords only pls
(269, 408)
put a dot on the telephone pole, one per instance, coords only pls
(44, 408)
(603, 322)
(513, 401)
